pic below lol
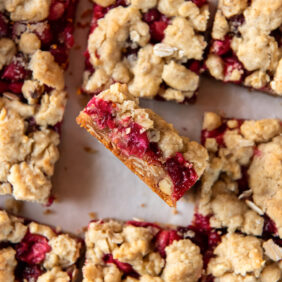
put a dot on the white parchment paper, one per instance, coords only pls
(97, 182)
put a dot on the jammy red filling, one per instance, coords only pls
(132, 140)
(182, 173)
(126, 268)
(32, 249)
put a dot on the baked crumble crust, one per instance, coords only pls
(241, 26)
(240, 189)
(35, 37)
(34, 251)
(144, 44)
(167, 162)
(139, 251)
(244, 258)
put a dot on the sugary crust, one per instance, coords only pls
(168, 140)
(32, 94)
(124, 28)
(134, 245)
(243, 180)
(58, 262)
(253, 25)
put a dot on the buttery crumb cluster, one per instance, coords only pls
(241, 188)
(139, 251)
(170, 164)
(246, 45)
(34, 252)
(145, 44)
(34, 40)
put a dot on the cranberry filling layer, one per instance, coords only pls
(126, 268)
(182, 173)
(132, 140)
(32, 249)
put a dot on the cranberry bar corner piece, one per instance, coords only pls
(246, 44)
(241, 187)
(35, 37)
(30, 251)
(140, 251)
(167, 162)
(156, 47)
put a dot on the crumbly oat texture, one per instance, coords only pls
(132, 251)
(242, 183)
(241, 26)
(26, 243)
(147, 144)
(244, 258)
(32, 95)
(143, 44)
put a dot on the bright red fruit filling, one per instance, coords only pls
(157, 23)
(126, 268)
(102, 111)
(32, 249)
(15, 71)
(217, 133)
(182, 174)
(221, 47)
(165, 238)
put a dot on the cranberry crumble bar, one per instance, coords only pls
(34, 252)
(35, 37)
(168, 163)
(246, 44)
(154, 46)
(140, 251)
(241, 187)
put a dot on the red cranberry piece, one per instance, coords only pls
(31, 272)
(221, 47)
(16, 87)
(3, 86)
(142, 224)
(201, 222)
(269, 227)
(231, 64)
(15, 71)
(157, 29)
(126, 268)
(214, 239)
(217, 133)
(165, 238)
(68, 36)
(199, 3)
(152, 16)
(51, 199)
(57, 10)
(182, 174)
(102, 112)
(136, 142)
(194, 66)
(99, 12)
(32, 249)
(45, 35)
(3, 26)
(60, 54)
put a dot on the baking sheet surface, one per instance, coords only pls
(89, 178)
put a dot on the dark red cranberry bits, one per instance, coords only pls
(32, 249)
(182, 174)
(165, 238)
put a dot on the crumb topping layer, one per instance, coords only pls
(143, 43)
(241, 26)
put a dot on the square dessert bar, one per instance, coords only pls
(140, 251)
(241, 187)
(156, 47)
(246, 44)
(34, 252)
(35, 37)
(168, 163)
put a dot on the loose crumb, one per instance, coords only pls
(89, 150)
(175, 211)
(58, 229)
(93, 215)
(143, 205)
(48, 211)
(13, 206)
